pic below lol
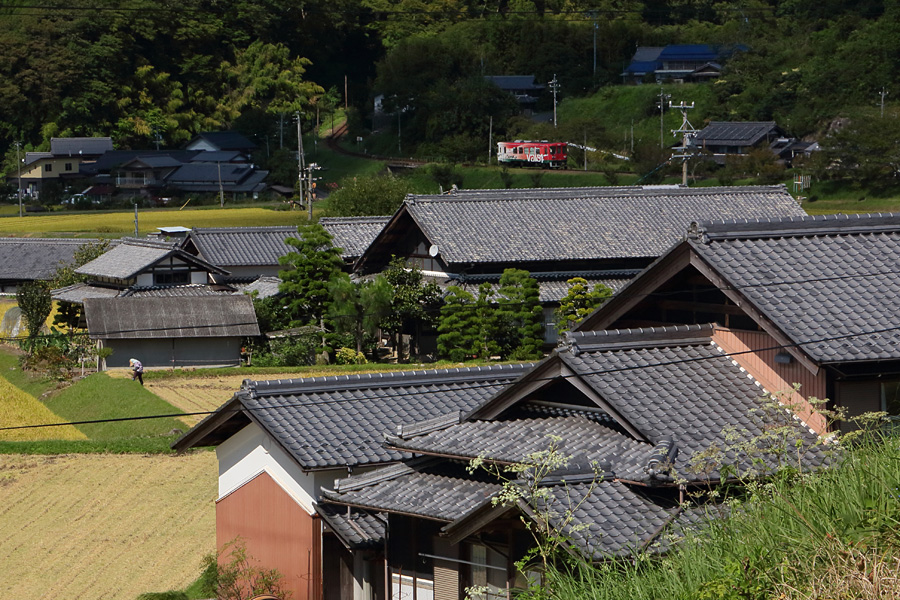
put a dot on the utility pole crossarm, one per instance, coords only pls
(687, 132)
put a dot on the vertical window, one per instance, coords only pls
(68, 166)
(48, 168)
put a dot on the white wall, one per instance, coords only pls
(251, 451)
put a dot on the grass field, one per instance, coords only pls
(104, 526)
(18, 408)
(121, 223)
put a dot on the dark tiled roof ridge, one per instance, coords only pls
(792, 226)
(585, 274)
(252, 229)
(384, 379)
(644, 337)
(382, 474)
(343, 220)
(408, 430)
(742, 123)
(62, 241)
(131, 241)
(575, 194)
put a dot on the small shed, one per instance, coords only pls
(200, 331)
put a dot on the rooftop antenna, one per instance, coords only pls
(687, 132)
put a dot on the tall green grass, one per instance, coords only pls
(833, 534)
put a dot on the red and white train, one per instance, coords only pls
(533, 154)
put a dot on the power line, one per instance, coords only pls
(466, 385)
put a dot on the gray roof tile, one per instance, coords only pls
(553, 224)
(243, 246)
(353, 234)
(328, 422)
(733, 133)
(824, 281)
(29, 259)
(131, 256)
(358, 529)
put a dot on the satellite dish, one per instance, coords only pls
(433, 250)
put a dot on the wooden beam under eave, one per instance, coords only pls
(635, 292)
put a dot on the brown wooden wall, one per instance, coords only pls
(280, 534)
(775, 377)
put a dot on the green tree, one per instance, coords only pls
(368, 195)
(68, 314)
(414, 305)
(307, 271)
(33, 298)
(579, 302)
(457, 327)
(234, 575)
(358, 307)
(864, 149)
(519, 315)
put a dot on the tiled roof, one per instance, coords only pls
(91, 146)
(357, 529)
(353, 234)
(514, 82)
(559, 224)
(340, 421)
(174, 291)
(328, 422)
(202, 176)
(438, 491)
(825, 281)
(243, 246)
(225, 315)
(583, 438)
(76, 293)
(741, 133)
(226, 140)
(28, 259)
(265, 287)
(608, 518)
(132, 256)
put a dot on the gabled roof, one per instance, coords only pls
(216, 156)
(263, 287)
(353, 234)
(116, 158)
(33, 157)
(738, 133)
(225, 315)
(670, 383)
(243, 246)
(83, 146)
(334, 422)
(133, 255)
(566, 224)
(225, 140)
(151, 162)
(29, 259)
(827, 286)
(693, 52)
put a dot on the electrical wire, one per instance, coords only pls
(466, 386)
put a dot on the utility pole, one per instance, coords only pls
(883, 93)
(221, 189)
(19, 184)
(554, 85)
(663, 98)
(687, 131)
(135, 220)
(490, 139)
(310, 186)
(595, 47)
(399, 113)
(299, 156)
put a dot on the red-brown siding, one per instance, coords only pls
(279, 533)
(775, 377)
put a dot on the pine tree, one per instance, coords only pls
(519, 315)
(579, 302)
(307, 272)
(457, 328)
(359, 307)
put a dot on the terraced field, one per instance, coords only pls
(104, 526)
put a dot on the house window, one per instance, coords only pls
(488, 573)
(171, 278)
(68, 166)
(48, 168)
